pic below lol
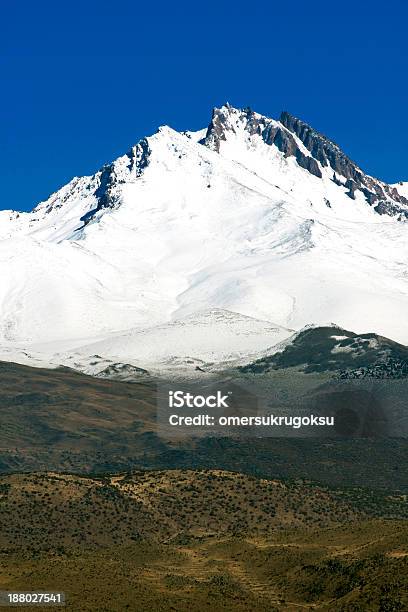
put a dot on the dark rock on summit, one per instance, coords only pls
(322, 149)
(106, 192)
(308, 163)
(329, 153)
(139, 157)
(270, 131)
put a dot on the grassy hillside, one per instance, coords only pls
(95, 503)
(64, 421)
(47, 511)
(196, 540)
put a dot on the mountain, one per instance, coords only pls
(266, 221)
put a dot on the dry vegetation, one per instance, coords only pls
(48, 511)
(197, 540)
(190, 539)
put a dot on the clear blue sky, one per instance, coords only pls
(81, 82)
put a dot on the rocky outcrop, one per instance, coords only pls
(216, 129)
(107, 192)
(270, 131)
(308, 163)
(104, 192)
(321, 148)
(391, 368)
(384, 198)
(139, 157)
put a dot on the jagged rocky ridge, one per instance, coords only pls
(107, 193)
(323, 153)
(383, 197)
(271, 132)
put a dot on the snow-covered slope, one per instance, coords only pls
(215, 337)
(264, 218)
(402, 188)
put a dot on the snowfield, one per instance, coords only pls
(217, 337)
(177, 250)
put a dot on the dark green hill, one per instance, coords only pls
(323, 349)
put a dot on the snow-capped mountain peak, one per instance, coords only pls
(262, 217)
(312, 151)
(267, 148)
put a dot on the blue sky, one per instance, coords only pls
(82, 82)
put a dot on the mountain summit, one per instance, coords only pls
(288, 135)
(264, 218)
